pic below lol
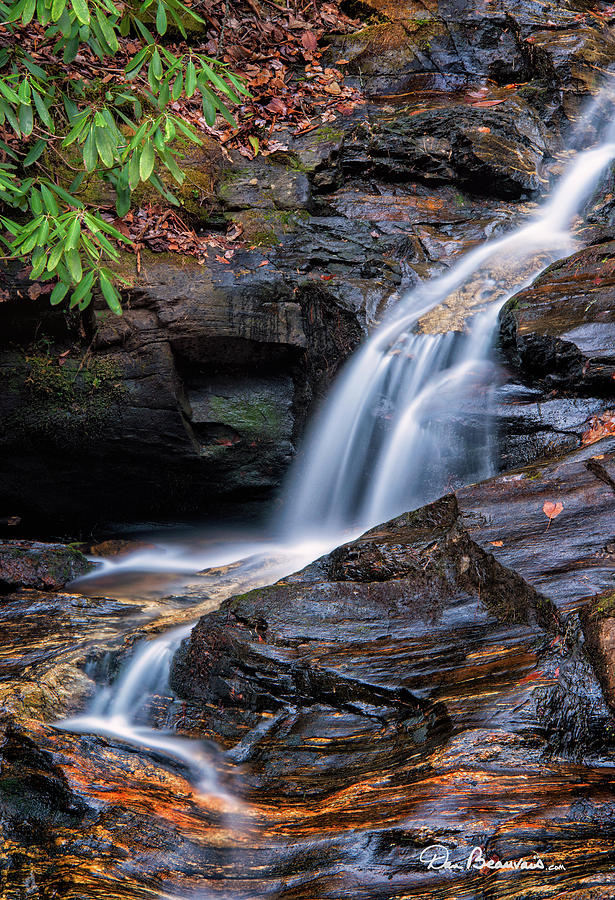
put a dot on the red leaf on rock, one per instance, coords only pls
(599, 427)
(551, 510)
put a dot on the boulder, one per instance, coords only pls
(43, 566)
(557, 345)
(377, 600)
(431, 667)
(559, 333)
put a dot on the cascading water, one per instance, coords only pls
(115, 711)
(390, 436)
(407, 419)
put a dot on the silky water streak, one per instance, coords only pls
(408, 418)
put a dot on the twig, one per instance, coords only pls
(227, 10)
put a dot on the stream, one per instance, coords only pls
(408, 419)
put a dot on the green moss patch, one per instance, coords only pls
(65, 400)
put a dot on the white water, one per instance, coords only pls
(115, 711)
(394, 433)
(407, 420)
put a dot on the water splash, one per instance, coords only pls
(120, 711)
(115, 712)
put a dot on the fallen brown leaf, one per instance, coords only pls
(488, 102)
(599, 427)
(309, 41)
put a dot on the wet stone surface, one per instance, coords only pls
(364, 709)
(412, 678)
(445, 679)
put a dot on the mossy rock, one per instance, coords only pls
(41, 566)
(203, 167)
(266, 227)
(65, 401)
(601, 607)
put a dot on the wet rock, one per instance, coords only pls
(37, 565)
(53, 645)
(116, 547)
(534, 424)
(514, 41)
(265, 186)
(94, 827)
(560, 332)
(47, 795)
(567, 559)
(598, 621)
(419, 666)
(495, 152)
(412, 576)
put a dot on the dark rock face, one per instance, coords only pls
(557, 339)
(598, 621)
(196, 395)
(510, 41)
(573, 560)
(560, 332)
(492, 152)
(42, 566)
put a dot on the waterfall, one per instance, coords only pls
(115, 712)
(407, 420)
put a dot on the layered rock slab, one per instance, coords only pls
(406, 682)
(408, 690)
(557, 344)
